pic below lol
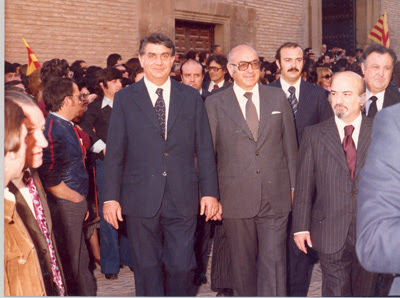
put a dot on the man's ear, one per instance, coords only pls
(278, 64)
(363, 99)
(363, 67)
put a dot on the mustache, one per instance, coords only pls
(293, 68)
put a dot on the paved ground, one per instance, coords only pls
(125, 285)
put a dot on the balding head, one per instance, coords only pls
(244, 66)
(347, 95)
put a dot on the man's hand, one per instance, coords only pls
(112, 213)
(211, 208)
(300, 239)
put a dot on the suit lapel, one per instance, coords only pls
(266, 108)
(142, 99)
(364, 141)
(175, 104)
(231, 106)
(331, 140)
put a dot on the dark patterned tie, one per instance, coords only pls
(159, 108)
(293, 100)
(41, 220)
(373, 109)
(251, 115)
(350, 149)
(216, 86)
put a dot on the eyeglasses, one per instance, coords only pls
(327, 77)
(85, 95)
(70, 74)
(244, 65)
(213, 68)
(80, 96)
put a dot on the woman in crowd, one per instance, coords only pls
(324, 78)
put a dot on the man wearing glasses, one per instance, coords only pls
(255, 141)
(310, 106)
(65, 179)
(216, 66)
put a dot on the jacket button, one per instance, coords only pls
(257, 153)
(166, 154)
(164, 173)
(258, 171)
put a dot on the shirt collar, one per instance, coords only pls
(240, 92)
(341, 124)
(106, 102)
(61, 117)
(379, 95)
(285, 86)
(152, 88)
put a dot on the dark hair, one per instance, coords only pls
(214, 47)
(286, 45)
(113, 59)
(77, 64)
(351, 53)
(105, 75)
(219, 59)
(203, 56)
(135, 71)
(192, 61)
(380, 49)
(307, 50)
(87, 82)
(53, 68)
(355, 67)
(125, 82)
(191, 55)
(9, 67)
(156, 38)
(131, 66)
(92, 70)
(13, 120)
(55, 92)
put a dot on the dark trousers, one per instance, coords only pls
(202, 244)
(342, 274)
(165, 239)
(299, 266)
(114, 245)
(258, 253)
(67, 224)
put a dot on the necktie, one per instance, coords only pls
(159, 108)
(350, 149)
(41, 220)
(83, 149)
(251, 115)
(216, 86)
(372, 108)
(293, 100)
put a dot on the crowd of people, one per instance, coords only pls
(144, 163)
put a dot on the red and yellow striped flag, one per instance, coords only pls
(33, 62)
(380, 32)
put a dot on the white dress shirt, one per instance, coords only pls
(239, 92)
(379, 101)
(285, 87)
(152, 88)
(100, 145)
(211, 87)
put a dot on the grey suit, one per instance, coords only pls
(378, 215)
(254, 182)
(331, 218)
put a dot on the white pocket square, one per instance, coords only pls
(276, 112)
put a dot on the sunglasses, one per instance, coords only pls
(327, 77)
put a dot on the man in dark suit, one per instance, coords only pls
(330, 158)
(377, 67)
(156, 128)
(114, 246)
(378, 214)
(217, 73)
(255, 142)
(310, 106)
(192, 74)
(54, 281)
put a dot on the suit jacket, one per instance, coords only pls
(322, 164)
(36, 234)
(206, 84)
(378, 218)
(139, 160)
(391, 97)
(313, 106)
(204, 93)
(96, 118)
(250, 171)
